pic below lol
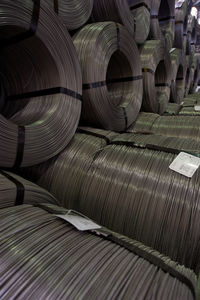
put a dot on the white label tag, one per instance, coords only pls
(172, 50)
(182, 102)
(185, 164)
(197, 108)
(79, 222)
(179, 3)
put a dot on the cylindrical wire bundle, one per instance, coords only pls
(189, 106)
(178, 75)
(196, 73)
(44, 257)
(188, 75)
(112, 78)
(163, 21)
(173, 109)
(180, 24)
(63, 175)
(184, 127)
(156, 67)
(74, 14)
(191, 33)
(133, 14)
(41, 77)
(143, 123)
(132, 191)
(15, 190)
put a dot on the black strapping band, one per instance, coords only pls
(179, 22)
(154, 16)
(145, 146)
(163, 149)
(185, 34)
(45, 92)
(167, 18)
(162, 85)
(132, 7)
(56, 6)
(20, 147)
(20, 188)
(179, 78)
(95, 134)
(87, 86)
(146, 70)
(118, 36)
(31, 32)
(156, 261)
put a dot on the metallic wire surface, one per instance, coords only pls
(157, 75)
(43, 257)
(112, 75)
(133, 14)
(178, 75)
(131, 190)
(74, 13)
(163, 21)
(45, 60)
(184, 127)
(32, 193)
(63, 175)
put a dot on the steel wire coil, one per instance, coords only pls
(173, 109)
(156, 66)
(188, 75)
(184, 127)
(133, 14)
(196, 72)
(45, 257)
(112, 75)
(191, 33)
(181, 23)
(41, 80)
(132, 191)
(178, 75)
(15, 190)
(162, 25)
(63, 175)
(74, 14)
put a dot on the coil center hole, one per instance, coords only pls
(118, 77)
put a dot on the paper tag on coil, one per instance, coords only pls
(79, 222)
(179, 3)
(197, 108)
(172, 50)
(185, 164)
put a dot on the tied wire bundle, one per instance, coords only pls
(15, 190)
(178, 75)
(63, 175)
(53, 260)
(189, 106)
(41, 79)
(183, 127)
(163, 21)
(112, 77)
(189, 74)
(131, 190)
(156, 67)
(173, 109)
(74, 13)
(181, 21)
(133, 14)
(196, 72)
(191, 34)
